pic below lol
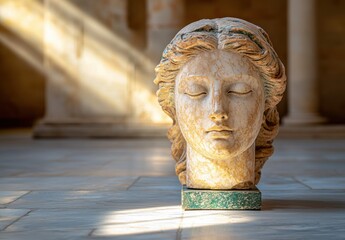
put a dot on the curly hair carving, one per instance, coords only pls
(228, 34)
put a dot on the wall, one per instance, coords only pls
(21, 91)
(331, 42)
(22, 85)
(22, 81)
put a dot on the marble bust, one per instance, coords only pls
(220, 81)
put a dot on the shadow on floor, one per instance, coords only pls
(274, 204)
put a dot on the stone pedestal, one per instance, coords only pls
(193, 199)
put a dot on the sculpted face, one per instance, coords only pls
(219, 100)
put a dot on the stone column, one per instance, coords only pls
(89, 72)
(303, 93)
(165, 18)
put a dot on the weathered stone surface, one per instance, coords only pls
(221, 199)
(220, 81)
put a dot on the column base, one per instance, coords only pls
(305, 119)
(193, 199)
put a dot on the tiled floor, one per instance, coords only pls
(126, 189)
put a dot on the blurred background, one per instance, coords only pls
(86, 68)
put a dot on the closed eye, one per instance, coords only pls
(195, 95)
(240, 89)
(239, 92)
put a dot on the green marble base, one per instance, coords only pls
(220, 199)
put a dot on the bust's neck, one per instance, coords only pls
(233, 173)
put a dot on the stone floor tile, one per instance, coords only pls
(66, 183)
(156, 222)
(322, 182)
(137, 168)
(98, 199)
(269, 182)
(127, 189)
(137, 235)
(102, 222)
(307, 155)
(263, 225)
(10, 196)
(8, 216)
(82, 234)
(172, 183)
(304, 168)
(154, 161)
(308, 145)
(31, 154)
(156, 183)
(319, 200)
(75, 234)
(59, 220)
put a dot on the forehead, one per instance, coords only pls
(218, 63)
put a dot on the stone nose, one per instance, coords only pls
(218, 112)
(218, 116)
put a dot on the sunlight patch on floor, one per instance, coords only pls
(161, 219)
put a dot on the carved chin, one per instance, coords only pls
(221, 149)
